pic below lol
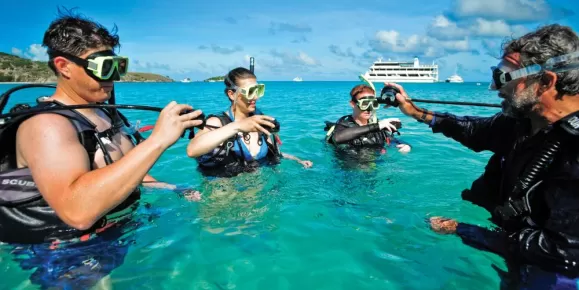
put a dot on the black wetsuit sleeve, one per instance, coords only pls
(494, 241)
(343, 134)
(553, 246)
(556, 243)
(476, 133)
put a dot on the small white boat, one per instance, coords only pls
(186, 80)
(454, 79)
(297, 79)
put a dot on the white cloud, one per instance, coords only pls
(221, 49)
(16, 51)
(306, 59)
(34, 52)
(496, 28)
(390, 40)
(145, 66)
(455, 45)
(297, 59)
(37, 52)
(508, 10)
(443, 28)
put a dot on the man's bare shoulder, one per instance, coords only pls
(46, 124)
(47, 131)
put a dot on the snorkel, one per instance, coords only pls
(6, 118)
(373, 117)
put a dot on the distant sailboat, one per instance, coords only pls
(297, 79)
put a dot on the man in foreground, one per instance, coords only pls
(531, 183)
(86, 169)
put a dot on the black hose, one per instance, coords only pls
(73, 107)
(456, 103)
(4, 97)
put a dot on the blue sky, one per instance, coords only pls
(316, 40)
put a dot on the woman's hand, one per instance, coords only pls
(256, 123)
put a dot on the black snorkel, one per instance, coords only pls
(4, 118)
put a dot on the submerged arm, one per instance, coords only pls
(150, 181)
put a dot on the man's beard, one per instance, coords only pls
(520, 105)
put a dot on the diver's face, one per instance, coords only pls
(359, 113)
(241, 103)
(519, 96)
(86, 87)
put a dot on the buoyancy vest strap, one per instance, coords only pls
(77, 119)
(224, 120)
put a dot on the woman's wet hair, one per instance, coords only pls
(360, 89)
(235, 75)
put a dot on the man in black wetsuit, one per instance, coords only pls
(361, 129)
(531, 183)
(72, 177)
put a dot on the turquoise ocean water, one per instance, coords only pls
(327, 227)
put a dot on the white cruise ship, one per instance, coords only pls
(297, 79)
(402, 72)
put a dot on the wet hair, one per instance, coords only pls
(75, 34)
(235, 75)
(539, 46)
(360, 89)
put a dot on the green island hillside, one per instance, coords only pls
(215, 79)
(16, 69)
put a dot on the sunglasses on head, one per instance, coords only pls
(368, 103)
(100, 65)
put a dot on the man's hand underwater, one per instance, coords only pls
(443, 225)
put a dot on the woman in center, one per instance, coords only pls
(240, 139)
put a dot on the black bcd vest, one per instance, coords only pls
(25, 216)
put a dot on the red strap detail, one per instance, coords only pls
(277, 139)
(146, 128)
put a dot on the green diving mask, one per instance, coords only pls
(251, 92)
(100, 65)
(368, 103)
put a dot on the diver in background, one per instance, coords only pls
(239, 139)
(362, 129)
